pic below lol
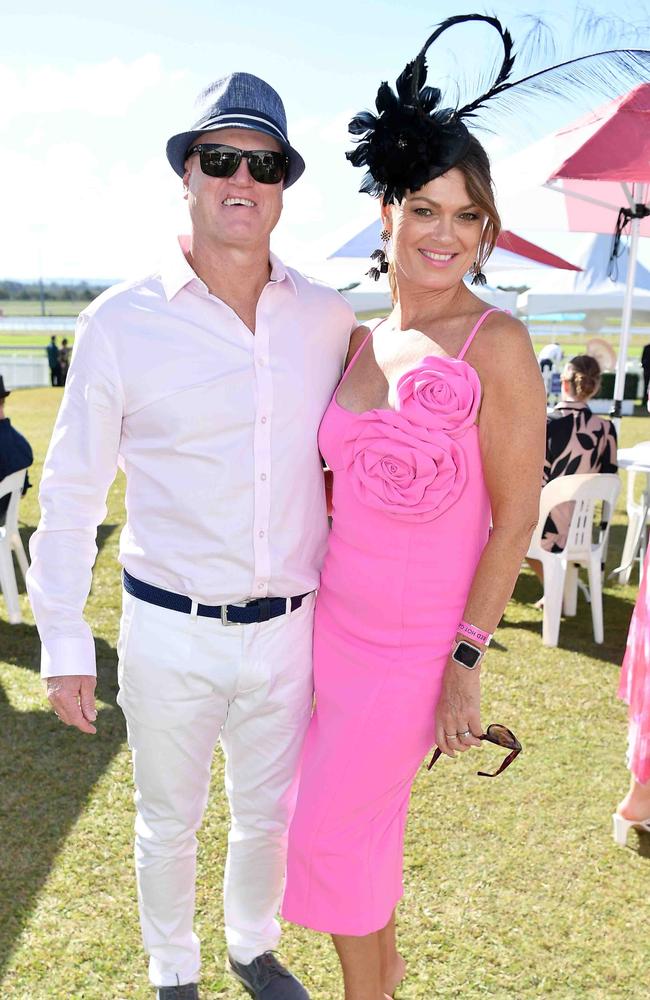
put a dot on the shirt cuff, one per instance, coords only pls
(67, 655)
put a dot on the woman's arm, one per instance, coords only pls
(512, 434)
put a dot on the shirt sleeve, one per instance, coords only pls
(80, 466)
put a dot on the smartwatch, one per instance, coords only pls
(467, 655)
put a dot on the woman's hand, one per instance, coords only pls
(458, 714)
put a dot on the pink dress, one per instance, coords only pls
(411, 519)
(634, 687)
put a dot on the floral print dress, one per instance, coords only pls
(577, 442)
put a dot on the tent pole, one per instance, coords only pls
(626, 319)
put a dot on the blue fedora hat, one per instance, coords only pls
(240, 100)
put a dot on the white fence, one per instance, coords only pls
(20, 372)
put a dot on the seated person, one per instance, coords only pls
(15, 451)
(577, 442)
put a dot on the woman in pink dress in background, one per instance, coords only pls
(430, 437)
(634, 689)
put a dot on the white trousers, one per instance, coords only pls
(186, 682)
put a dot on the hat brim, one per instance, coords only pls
(178, 146)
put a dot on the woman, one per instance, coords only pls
(577, 442)
(634, 689)
(414, 581)
(64, 361)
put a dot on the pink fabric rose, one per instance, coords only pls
(402, 469)
(441, 393)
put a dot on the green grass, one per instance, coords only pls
(16, 307)
(32, 339)
(514, 889)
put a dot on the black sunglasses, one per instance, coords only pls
(265, 165)
(494, 734)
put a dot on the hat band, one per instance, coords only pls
(237, 117)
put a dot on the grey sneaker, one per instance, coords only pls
(189, 991)
(265, 979)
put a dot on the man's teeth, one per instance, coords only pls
(437, 256)
(239, 201)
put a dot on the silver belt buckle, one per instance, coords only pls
(224, 615)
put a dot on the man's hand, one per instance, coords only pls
(73, 700)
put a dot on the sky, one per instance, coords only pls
(89, 94)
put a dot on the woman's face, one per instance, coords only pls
(435, 232)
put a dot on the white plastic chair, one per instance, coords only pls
(11, 544)
(638, 519)
(561, 568)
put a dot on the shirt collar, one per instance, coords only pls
(570, 404)
(176, 273)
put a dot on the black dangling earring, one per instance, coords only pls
(380, 256)
(478, 278)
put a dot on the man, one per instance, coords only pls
(53, 361)
(15, 451)
(206, 383)
(550, 356)
(645, 364)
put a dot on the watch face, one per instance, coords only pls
(467, 654)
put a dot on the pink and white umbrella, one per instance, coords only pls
(592, 176)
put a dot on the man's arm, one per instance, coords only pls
(79, 468)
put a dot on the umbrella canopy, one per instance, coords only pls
(587, 162)
(512, 251)
(618, 150)
(591, 288)
(600, 179)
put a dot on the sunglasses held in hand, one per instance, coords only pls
(265, 165)
(499, 735)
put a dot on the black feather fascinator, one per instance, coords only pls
(412, 139)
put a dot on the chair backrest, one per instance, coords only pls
(585, 491)
(13, 485)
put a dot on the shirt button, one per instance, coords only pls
(261, 534)
(263, 476)
(260, 586)
(261, 361)
(263, 420)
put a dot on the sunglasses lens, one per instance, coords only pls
(220, 161)
(267, 167)
(503, 737)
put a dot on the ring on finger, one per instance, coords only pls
(451, 736)
(468, 732)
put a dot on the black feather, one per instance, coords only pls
(412, 139)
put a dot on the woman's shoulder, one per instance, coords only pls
(502, 344)
(500, 326)
(357, 338)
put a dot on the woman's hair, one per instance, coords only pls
(583, 372)
(475, 168)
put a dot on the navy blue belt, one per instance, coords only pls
(230, 614)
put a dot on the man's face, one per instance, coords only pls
(233, 211)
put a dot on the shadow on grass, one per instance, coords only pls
(47, 773)
(644, 844)
(576, 633)
(104, 532)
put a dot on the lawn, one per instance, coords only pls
(514, 888)
(29, 307)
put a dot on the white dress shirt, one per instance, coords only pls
(216, 431)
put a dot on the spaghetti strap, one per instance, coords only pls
(359, 350)
(477, 327)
